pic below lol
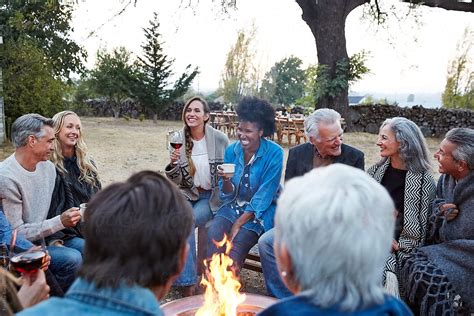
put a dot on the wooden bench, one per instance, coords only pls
(252, 261)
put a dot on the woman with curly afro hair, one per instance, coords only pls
(249, 195)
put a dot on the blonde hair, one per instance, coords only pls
(187, 131)
(88, 170)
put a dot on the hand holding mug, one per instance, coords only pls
(226, 170)
(70, 217)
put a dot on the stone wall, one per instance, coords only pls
(133, 110)
(432, 122)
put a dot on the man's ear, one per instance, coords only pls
(312, 140)
(462, 165)
(31, 140)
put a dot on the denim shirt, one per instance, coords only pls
(84, 298)
(265, 176)
(6, 234)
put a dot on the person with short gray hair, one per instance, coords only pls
(27, 125)
(325, 147)
(27, 181)
(331, 251)
(405, 171)
(439, 277)
(319, 117)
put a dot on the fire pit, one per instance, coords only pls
(188, 306)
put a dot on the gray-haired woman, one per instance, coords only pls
(405, 171)
(322, 256)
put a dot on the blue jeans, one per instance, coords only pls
(65, 262)
(273, 282)
(242, 243)
(202, 214)
(75, 243)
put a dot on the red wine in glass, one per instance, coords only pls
(176, 145)
(29, 261)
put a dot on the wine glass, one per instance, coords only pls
(28, 261)
(175, 140)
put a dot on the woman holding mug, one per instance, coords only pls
(77, 177)
(193, 168)
(405, 171)
(249, 195)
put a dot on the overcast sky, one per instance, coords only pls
(409, 57)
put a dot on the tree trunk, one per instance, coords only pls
(327, 21)
(115, 108)
(155, 117)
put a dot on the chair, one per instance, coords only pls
(220, 122)
(213, 119)
(231, 123)
(284, 127)
(298, 125)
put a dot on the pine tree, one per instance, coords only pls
(153, 89)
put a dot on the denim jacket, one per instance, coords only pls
(84, 298)
(265, 176)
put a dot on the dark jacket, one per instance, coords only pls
(300, 159)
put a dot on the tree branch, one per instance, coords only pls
(352, 4)
(445, 4)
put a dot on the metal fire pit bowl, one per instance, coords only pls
(188, 306)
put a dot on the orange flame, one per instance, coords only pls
(222, 286)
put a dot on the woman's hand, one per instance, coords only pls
(227, 186)
(449, 210)
(244, 218)
(223, 175)
(395, 246)
(174, 156)
(34, 289)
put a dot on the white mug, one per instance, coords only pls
(228, 169)
(82, 208)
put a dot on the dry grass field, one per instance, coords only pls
(122, 147)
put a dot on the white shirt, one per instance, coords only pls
(202, 177)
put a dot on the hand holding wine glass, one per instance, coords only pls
(33, 290)
(175, 143)
(29, 262)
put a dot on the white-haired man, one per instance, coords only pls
(325, 147)
(331, 244)
(27, 181)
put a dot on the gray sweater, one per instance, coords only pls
(26, 195)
